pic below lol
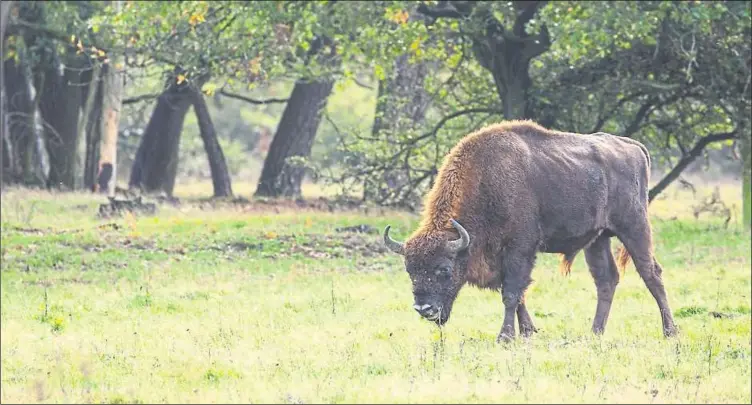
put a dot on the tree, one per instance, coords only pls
(504, 52)
(220, 175)
(55, 70)
(155, 166)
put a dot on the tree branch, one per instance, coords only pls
(639, 116)
(603, 118)
(687, 159)
(451, 116)
(251, 100)
(137, 99)
(529, 8)
(446, 10)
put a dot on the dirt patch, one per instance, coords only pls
(280, 205)
(67, 280)
(333, 246)
(317, 246)
(118, 207)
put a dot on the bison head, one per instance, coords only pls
(436, 265)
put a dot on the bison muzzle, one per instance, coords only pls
(511, 190)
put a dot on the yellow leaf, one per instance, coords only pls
(196, 19)
(270, 235)
(180, 79)
(100, 52)
(400, 17)
(73, 38)
(415, 44)
(118, 66)
(308, 222)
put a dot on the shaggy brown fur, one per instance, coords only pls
(517, 189)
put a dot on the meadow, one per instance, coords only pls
(222, 302)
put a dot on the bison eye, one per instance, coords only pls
(442, 273)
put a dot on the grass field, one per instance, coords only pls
(244, 304)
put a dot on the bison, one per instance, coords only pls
(513, 189)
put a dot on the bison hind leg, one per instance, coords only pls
(603, 268)
(527, 328)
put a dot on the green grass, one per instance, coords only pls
(234, 305)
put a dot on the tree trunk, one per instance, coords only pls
(401, 106)
(4, 13)
(18, 110)
(509, 66)
(89, 99)
(282, 175)
(745, 142)
(285, 164)
(5, 152)
(22, 125)
(93, 133)
(156, 162)
(112, 92)
(506, 54)
(60, 105)
(220, 175)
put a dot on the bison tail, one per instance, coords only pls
(565, 267)
(622, 259)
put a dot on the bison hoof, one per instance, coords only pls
(670, 332)
(504, 338)
(528, 330)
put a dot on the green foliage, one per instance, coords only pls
(666, 73)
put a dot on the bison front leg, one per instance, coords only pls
(516, 267)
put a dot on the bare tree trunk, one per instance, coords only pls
(5, 155)
(284, 165)
(16, 109)
(60, 105)
(5, 150)
(156, 162)
(112, 92)
(281, 175)
(401, 106)
(93, 133)
(4, 13)
(22, 126)
(220, 175)
(89, 98)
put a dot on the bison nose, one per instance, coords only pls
(425, 309)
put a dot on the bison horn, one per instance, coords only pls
(459, 244)
(393, 245)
